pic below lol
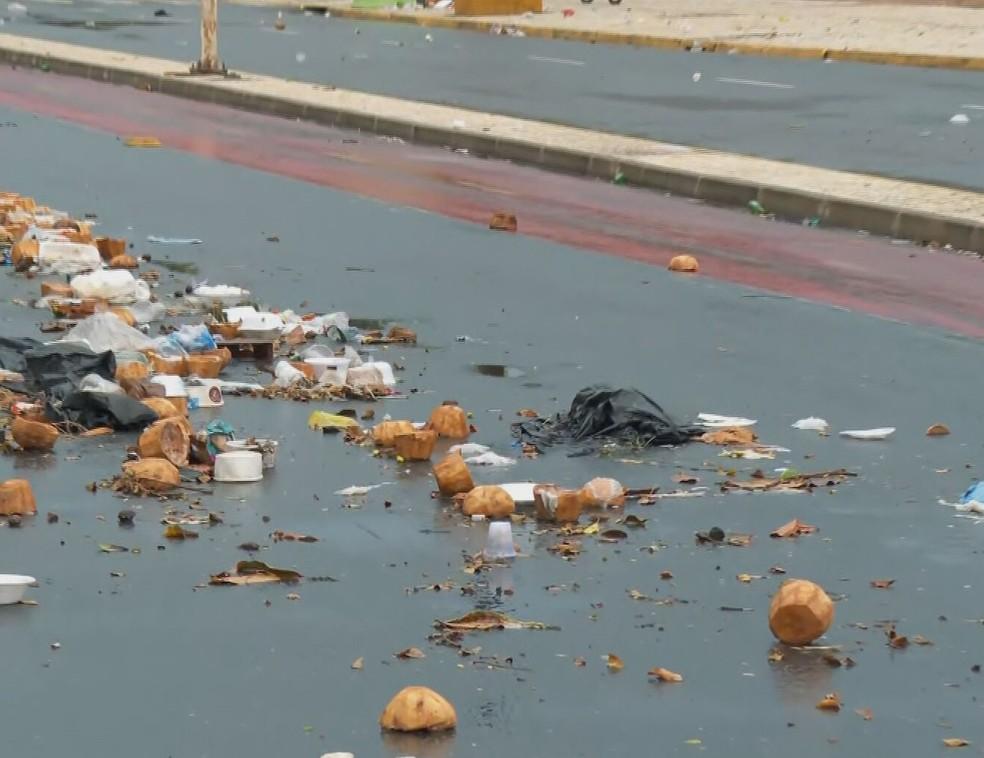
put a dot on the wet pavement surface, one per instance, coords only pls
(877, 119)
(151, 665)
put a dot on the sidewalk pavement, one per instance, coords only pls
(903, 34)
(909, 210)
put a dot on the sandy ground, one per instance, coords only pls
(894, 28)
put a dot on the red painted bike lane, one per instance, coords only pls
(870, 275)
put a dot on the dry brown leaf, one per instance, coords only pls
(955, 742)
(830, 702)
(637, 595)
(634, 522)
(776, 655)
(612, 535)
(613, 662)
(729, 436)
(748, 578)
(865, 713)
(565, 548)
(281, 536)
(483, 621)
(665, 675)
(793, 528)
(410, 653)
(918, 639)
(254, 572)
(882, 584)
(685, 478)
(665, 574)
(938, 430)
(895, 639)
(527, 413)
(739, 540)
(358, 664)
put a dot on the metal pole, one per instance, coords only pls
(209, 62)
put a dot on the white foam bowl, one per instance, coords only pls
(238, 466)
(13, 587)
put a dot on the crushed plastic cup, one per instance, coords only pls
(499, 543)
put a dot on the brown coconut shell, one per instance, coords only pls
(135, 371)
(56, 289)
(110, 247)
(166, 439)
(603, 493)
(385, 433)
(155, 474)
(450, 421)
(553, 503)
(123, 261)
(163, 407)
(800, 612)
(418, 709)
(17, 498)
(684, 264)
(416, 446)
(163, 365)
(224, 330)
(33, 435)
(453, 476)
(204, 366)
(490, 501)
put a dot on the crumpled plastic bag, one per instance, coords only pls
(286, 375)
(114, 285)
(104, 331)
(602, 413)
(96, 383)
(193, 338)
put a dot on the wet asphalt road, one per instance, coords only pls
(878, 119)
(150, 665)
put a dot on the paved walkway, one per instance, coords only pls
(885, 33)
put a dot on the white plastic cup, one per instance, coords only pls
(499, 543)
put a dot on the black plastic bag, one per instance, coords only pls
(603, 413)
(92, 409)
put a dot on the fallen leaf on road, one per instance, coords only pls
(955, 742)
(254, 572)
(613, 662)
(113, 548)
(177, 532)
(279, 536)
(865, 713)
(358, 664)
(738, 435)
(612, 535)
(834, 662)
(882, 584)
(938, 430)
(410, 653)
(790, 481)
(634, 522)
(830, 702)
(793, 528)
(142, 141)
(637, 595)
(777, 570)
(665, 574)
(665, 675)
(895, 639)
(748, 578)
(918, 639)
(776, 655)
(683, 478)
(527, 413)
(565, 548)
(483, 621)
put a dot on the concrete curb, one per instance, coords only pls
(653, 168)
(688, 44)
